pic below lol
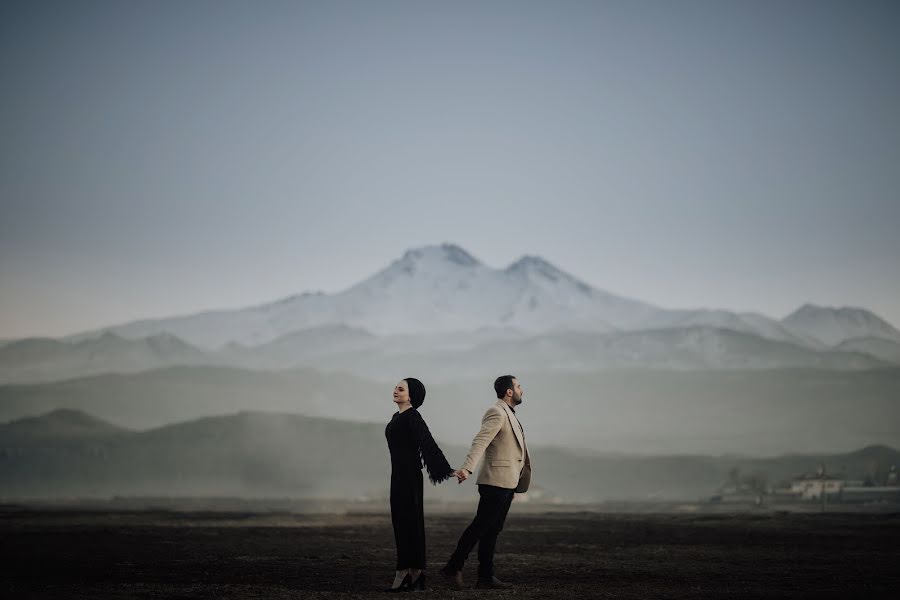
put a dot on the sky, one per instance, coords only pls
(164, 158)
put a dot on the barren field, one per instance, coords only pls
(160, 554)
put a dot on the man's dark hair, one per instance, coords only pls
(503, 383)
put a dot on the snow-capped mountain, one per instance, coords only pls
(832, 326)
(443, 289)
(428, 290)
(567, 302)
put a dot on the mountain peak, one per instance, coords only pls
(847, 313)
(445, 252)
(532, 264)
(835, 325)
(531, 261)
(814, 309)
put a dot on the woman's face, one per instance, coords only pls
(401, 392)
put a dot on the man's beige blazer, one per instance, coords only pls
(501, 441)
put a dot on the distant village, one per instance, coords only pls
(811, 487)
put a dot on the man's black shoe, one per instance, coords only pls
(453, 577)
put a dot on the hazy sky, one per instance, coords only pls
(160, 158)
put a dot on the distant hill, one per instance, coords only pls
(883, 349)
(832, 326)
(163, 396)
(41, 359)
(687, 348)
(342, 348)
(300, 347)
(252, 454)
(60, 424)
(637, 411)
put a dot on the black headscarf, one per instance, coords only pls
(416, 391)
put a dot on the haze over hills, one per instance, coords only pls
(688, 348)
(59, 424)
(438, 305)
(636, 411)
(44, 359)
(883, 349)
(449, 356)
(254, 454)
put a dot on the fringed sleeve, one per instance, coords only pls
(437, 466)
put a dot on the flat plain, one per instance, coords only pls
(52, 553)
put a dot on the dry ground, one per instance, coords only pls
(146, 554)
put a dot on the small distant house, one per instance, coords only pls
(811, 486)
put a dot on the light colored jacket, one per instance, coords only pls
(502, 443)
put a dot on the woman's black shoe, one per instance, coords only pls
(419, 584)
(404, 586)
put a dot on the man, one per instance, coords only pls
(505, 471)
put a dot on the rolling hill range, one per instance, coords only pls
(451, 356)
(638, 411)
(253, 454)
(45, 359)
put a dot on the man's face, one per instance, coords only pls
(516, 392)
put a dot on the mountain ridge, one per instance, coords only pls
(444, 288)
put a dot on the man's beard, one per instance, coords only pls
(517, 400)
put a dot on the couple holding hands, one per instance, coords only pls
(505, 471)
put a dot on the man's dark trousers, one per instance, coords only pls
(487, 525)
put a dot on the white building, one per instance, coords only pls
(812, 485)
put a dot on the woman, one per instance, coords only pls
(411, 444)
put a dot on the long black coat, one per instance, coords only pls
(411, 444)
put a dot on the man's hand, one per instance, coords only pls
(461, 475)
